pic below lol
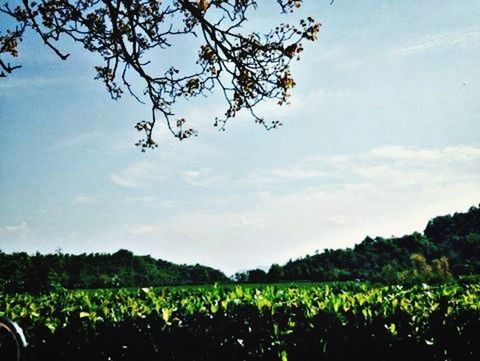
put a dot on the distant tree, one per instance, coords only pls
(246, 67)
(441, 270)
(257, 276)
(436, 272)
(388, 274)
(240, 277)
(420, 264)
(275, 273)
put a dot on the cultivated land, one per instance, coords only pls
(329, 321)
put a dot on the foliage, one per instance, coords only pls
(437, 272)
(450, 246)
(324, 322)
(38, 273)
(247, 68)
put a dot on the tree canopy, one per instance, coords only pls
(247, 68)
(450, 245)
(20, 272)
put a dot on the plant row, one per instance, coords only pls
(349, 321)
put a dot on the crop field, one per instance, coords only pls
(338, 321)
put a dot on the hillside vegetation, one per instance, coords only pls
(36, 273)
(449, 247)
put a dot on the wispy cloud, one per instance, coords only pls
(304, 104)
(145, 174)
(77, 140)
(33, 82)
(145, 199)
(13, 86)
(384, 191)
(390, 165)
(84, 199)
(158, 202)
(295, 172)
(14, 229)
(136, 175)
(460, 39)
(203, 177)
(463, 38)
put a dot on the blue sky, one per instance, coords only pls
(383, 133)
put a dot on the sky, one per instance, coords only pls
(382, 134)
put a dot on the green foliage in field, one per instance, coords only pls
(349, 321)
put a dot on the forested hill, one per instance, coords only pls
(449, 247)
(36, 273)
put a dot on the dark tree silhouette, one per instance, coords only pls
(247, 68)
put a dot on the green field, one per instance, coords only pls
(336, 321)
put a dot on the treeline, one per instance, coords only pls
(21, 272)
(449, 247)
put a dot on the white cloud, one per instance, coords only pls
(397, 166)
(145, 199)
(323, 201)
(203, 177)
(464, 38)
(146, 174)
(157, 202)
(301, 105)
(411, 153)
(136, 175)
(387, 191)
(84, 199)
(77, 140)
(14, 229)
(389, 165)
(33, 82)
(13, 86)
(144, 230)
(292, 173)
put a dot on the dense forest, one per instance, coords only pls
(37, 273)
(449, 247)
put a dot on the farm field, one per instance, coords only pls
(330, 321)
